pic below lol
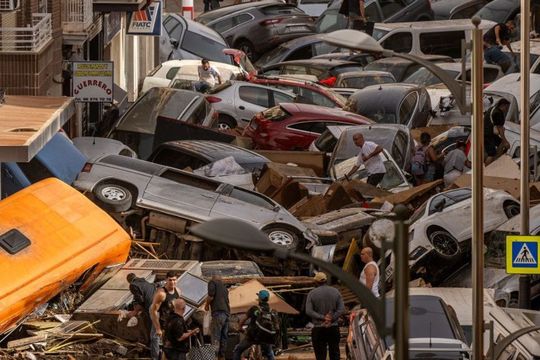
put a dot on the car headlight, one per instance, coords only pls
(416, 253)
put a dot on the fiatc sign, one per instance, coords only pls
(522, 254)
(93, 81)
(146, 22)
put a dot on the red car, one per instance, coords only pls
(307, 92)
(295, 126)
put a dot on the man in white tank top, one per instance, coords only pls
(370, 274)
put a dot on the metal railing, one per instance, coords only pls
(29, 38)
(77, 15)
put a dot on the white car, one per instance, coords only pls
(441, 227)
(238, 101)
(166, 73)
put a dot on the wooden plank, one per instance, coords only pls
(13, 344)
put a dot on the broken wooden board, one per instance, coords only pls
(503, 167)
(313, 160)
(433, 131)
(243, 297)
(408, 196)
(511, 186)
(15, 344)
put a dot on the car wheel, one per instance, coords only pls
(282, 237)
(444, 244)
(511, 209)
(112, 197)
(247, 47)
(226, 122)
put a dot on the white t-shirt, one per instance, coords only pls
(375, 288)
(375, 165)
(208, 76)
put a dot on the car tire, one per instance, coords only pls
(445, 245)
(282, 236)
(113, 197)
(511, 209)
(225, 122)
(247, 47)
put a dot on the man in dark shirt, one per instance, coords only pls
(177, 334)
(143, 294)
(324, 305)
(494, 40)
(250, 338)
(495, 143)
(218, 302)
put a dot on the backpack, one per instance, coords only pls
(264, 328)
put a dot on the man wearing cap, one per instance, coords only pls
(251, 338)
(324, 305)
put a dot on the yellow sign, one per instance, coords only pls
(522, 254)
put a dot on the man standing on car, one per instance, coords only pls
(495, 143)
(370, 157)
(494, 39)
(252, 332)
(176, 333)
(162, 306)
(208, 75)
(143, 295)
(370, 273)
(324, 305)
(218, 302)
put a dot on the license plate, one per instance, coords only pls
(296, 29)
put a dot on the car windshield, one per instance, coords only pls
(363, 81)
(396, 68)
(496, 11)
(204, 47)
(380, 115)
(346, 148)
(326, 142)
(392, 178)
(425, 77)
(272, 56)
(378, 34)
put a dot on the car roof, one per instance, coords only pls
(435, 25)
(302, 40)
(397, 60)
(200, 29)
(320, 111)
(510, 84)
(364, 73)
(218, 14)
(192, 62)
(385, 94)
(326, 63)
(445, 7)
(215, 150)
(129, 163)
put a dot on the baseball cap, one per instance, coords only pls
(320, 277)
(263, 295)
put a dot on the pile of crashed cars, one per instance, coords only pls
(271, 145)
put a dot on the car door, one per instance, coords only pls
(174, 31)
(277, 97)
(181, 194)
(250, 100)
(457, 213)
(302, 134)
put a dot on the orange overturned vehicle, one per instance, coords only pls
(52, 237)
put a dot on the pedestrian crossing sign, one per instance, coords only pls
(522, 254)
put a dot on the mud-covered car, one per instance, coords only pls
(171, 200)
(441, 227)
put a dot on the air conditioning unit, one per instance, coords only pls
(9, 5)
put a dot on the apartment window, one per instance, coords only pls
(8, 5)
(42, 6)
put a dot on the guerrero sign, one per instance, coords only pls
(93, 81)
(145, 22)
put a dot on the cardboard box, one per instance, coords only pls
(307, 159)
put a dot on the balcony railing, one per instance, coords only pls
(77, 15)
(30, 38)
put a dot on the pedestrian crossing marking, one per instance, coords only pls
(522, 254)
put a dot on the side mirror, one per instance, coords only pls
(439, 205)
(174, 43)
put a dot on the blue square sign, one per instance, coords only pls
(524, 254)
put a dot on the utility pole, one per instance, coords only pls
(478, 190)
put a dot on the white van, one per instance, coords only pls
(441, 37)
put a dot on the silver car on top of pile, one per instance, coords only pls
(118, 184)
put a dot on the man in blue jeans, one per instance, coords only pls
(251, 337)
(494, 39)
(218, 303)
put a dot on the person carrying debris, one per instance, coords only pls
(262, 330)
(162, 306)
(218, 302)
(143, 295)
(494, 39)
(324, 305)
(207, 77)
(370, 157)
(370, 273)
(177, 335)
(495, 143)
(455, 163)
